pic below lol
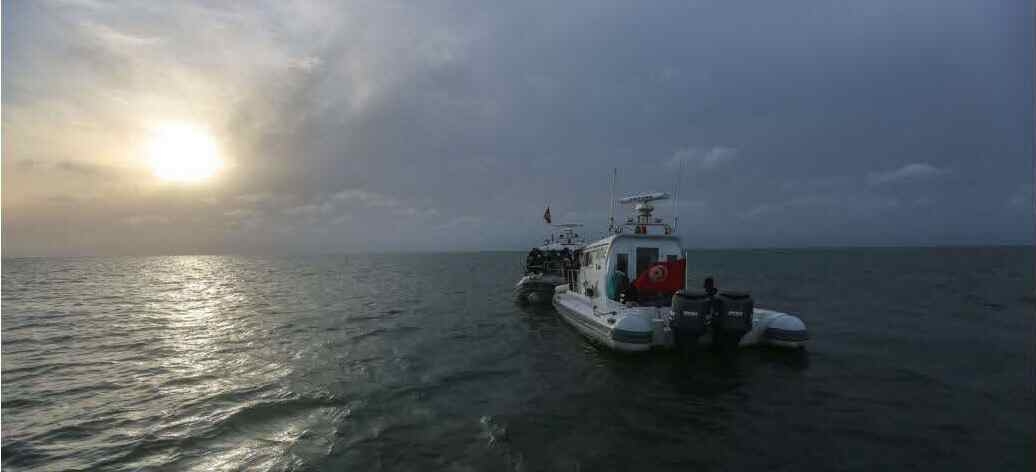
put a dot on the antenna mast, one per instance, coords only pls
(676, 197)
(611, 202)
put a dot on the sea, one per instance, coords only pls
(920, 359)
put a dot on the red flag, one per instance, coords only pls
(662, 277)
(546, 215)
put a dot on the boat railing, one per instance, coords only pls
(546, 267)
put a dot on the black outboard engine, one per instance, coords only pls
(691, 309)
(732, 318)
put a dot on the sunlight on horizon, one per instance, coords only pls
(183, 153)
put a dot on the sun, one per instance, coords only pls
(183, 153)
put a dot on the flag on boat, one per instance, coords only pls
(662, 277)
(546, 215)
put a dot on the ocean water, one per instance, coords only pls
(920, 359)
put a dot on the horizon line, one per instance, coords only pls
(477, 251)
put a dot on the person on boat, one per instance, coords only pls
(535, 259)
(552, 262)
(710, 287)
(618, 281)
(632, 295)
(618, 284)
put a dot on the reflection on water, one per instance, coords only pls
(410, 362)
(207, 355)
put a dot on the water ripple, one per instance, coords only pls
(408, 362)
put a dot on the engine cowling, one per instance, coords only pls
(691, 311)
(732, 317)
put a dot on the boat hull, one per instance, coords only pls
(638, 329)
(598, 331)
(536, 289)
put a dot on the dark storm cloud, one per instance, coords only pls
(383, 126)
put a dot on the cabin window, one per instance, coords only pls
(645, 257)
(622, 263)
(671, 258)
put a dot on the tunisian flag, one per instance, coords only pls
(662, 277)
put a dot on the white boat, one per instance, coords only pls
(597, 304)
(545, 266)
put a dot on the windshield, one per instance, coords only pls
(646, 256)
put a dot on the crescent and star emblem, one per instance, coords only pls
(658, 273)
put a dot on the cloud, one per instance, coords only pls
(116, 40)
(365, 198)
(703, 158)
(410, 211)
(403, 116)
(923, 201)
(1022, 198)
(240, 213)
(460, 221)
(306, 210)
(909, 172)
(266, 200)
(695, 210)
(335, 208)
(146, 220)
(254, 197)
(78, 167)
(65, 199)
(307, 64)
(26, 164)
(832, 206)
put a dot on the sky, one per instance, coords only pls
(449, 126)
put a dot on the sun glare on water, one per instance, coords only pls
(184, 153)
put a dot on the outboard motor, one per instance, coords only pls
(691, 308)
(732, 318)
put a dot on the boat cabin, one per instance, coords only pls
(608, 268)
(557, 253)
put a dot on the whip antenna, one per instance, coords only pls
(676, 196)
(611, 202)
